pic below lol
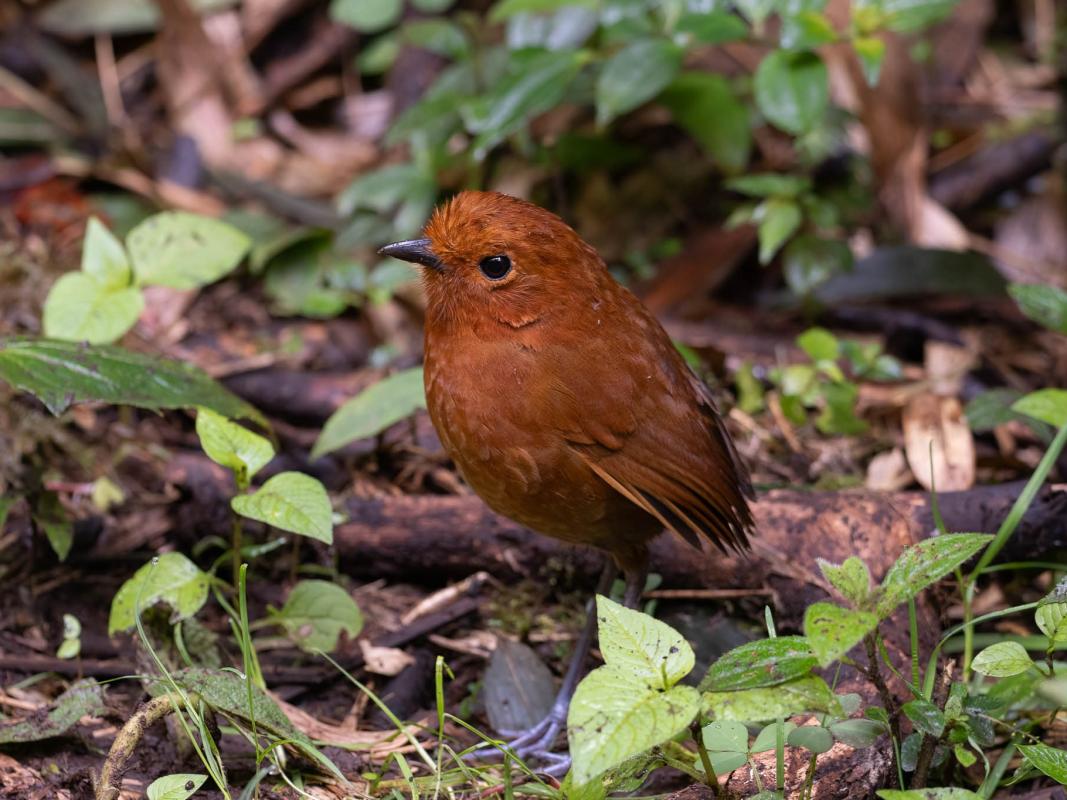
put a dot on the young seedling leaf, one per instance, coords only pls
(373, 410)
(832, 630)
(103, 256)
(1047, 405)
(1050, 760)
(232, 446)
(767, 739)
(851, 578)
(290, 501)
(1002, 660)
(175, 787)
(183, 250)
(1046, 305)
(809, 693)
(79, 308)
(84, 698)
(765, 662)
(858, 733)
(813, 738)
(925, 716)
(653, 653)
(366, 16)
(315, 614)
(63, 373)
(925, 563)
(170, 578)
(228, 694)
(615, 715)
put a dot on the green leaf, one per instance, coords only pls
(60, 374)
(871, 53)
(653, 653)
(439, 36)
(925, 563)
(767, 739)
(183, 250)
(1047, 405)
(104, 257)
(536, 83)
(764, 662)
(908, 16)
(228, 694)
(71, 645)
(926, 717)
(1050, 760)
(509, 8)
(713, 27)
(83, 699)
(832, 631)
(813, 738)
(806, 29)
(316, 612)
(704, 105)
(53, 520)
(1051, 618)
(964, 756)
(858, 733)
(928, 794)
(770, 184)
(756, 10)
(175, 787)
(852, 578)
(727, 744)
(820, 345)
(792, 90)
(232, 446)
(373, 410)
(615, 715)
(79, 308)
(1002, 660)
(725, 736)
(635, 75)
(778, 220)
(838, 415)
(993, 407)
(1046, 305)
(292, 502)
(809, 261)
(170, 578)
(366, 16)
(809, 693)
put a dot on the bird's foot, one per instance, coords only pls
(535, 744)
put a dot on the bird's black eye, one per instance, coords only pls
(495, 267)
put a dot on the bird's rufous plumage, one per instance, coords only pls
(560, 397)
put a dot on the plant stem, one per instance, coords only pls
(710, 777)
(874, 672)
(109, 784)
(235, 545)
(929, 743)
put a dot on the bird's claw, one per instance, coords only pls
(534, 744)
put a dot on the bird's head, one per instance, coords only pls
(494, 258)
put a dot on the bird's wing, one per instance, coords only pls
(648, 427)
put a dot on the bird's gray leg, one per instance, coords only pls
(635, 586)
(536, 742)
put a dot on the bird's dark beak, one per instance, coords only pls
(417, 251)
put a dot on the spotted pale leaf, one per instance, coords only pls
(293, 502)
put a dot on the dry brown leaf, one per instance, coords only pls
(388, 661)
(935, 429)
(946, 366)
(888, 472)
(379, 743)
